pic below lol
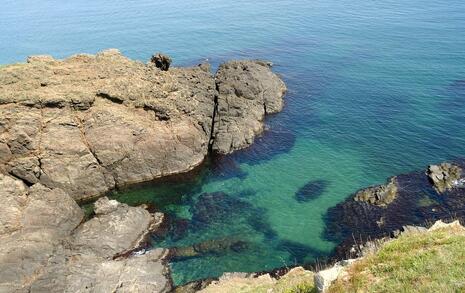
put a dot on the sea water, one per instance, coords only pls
(376, 88)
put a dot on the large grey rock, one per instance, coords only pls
(379, 195)
(45, 248)
(114, 232)
(445, 176)
(88, 123)
(248, 90)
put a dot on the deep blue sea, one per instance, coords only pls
(376, 88)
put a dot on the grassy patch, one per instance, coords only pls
(425, 262)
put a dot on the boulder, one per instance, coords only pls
(247, 91)
(444, 176)
(119, 229)
(379, 195)
(45, 248)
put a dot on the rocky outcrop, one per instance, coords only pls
(417, 202)
(445, 176)
(73, 129)
(45, 248)
(379, 195)
(248, 90)
(89, 123)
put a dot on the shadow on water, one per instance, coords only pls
(265, 147)
(417, 203)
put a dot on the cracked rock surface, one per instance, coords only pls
(45, 248)
(89, 123)
(74, 129)
(247, 91)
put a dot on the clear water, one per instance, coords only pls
(376, 88)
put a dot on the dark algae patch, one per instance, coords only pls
(417, 203)
(311, 190)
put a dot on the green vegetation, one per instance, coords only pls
(296, 280)
(420, 262)
(304, 287)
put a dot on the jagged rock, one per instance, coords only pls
(380, 195)
(105, 206)
(43, 248)
(113, 233)
(444, 176)
(161, 61)
(248, 90)
(89, 123)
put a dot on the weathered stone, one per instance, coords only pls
(247, 91)
(105, 206)
(445, 176)
(42, 251)
(26, 168)
(73, 129)
(380, 195)
(89, 123)
(113, 233)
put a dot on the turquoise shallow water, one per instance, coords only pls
(376, 88)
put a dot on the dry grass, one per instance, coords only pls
(421, 262)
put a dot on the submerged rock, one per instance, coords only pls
(358, 221)
(445, 176)
(380, 195)
(310, 191)
(213, 246)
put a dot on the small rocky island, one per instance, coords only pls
(74, 129)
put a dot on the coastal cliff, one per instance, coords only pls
(87, 124)
(73, 129)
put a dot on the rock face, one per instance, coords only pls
(380, 195)
(248, 90)
(73, 129)
(43, 247)
(92, 122)
(445, 176)
(416, 203)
